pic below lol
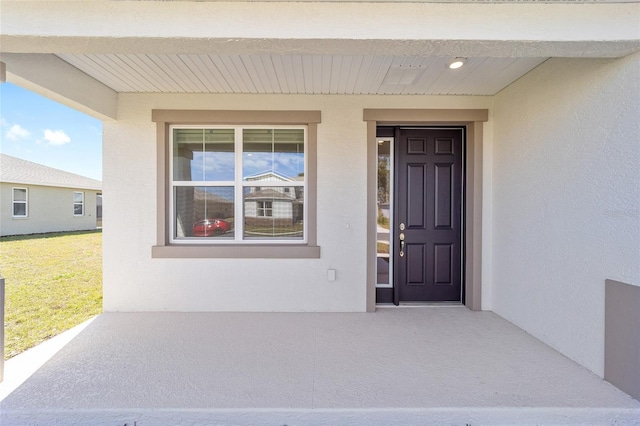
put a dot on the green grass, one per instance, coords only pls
(383, 247)
(382, 220)
(53, 282)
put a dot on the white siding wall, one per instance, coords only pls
(50, 210)
(566, 211)
(251, 209)
(133, 281)
(282, 210)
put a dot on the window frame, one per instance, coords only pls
(238, 184)
(292, 249)
(81, 203)
(25, 202)
(262, 209)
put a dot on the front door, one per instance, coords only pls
(427, 247)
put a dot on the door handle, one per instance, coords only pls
(401, 236)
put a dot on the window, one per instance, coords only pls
(78, 203)
(20, 200)
(223, 245)
(238, 184)
(265, 209)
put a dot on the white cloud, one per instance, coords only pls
(3, 122)
(17, 132)
(56, 137)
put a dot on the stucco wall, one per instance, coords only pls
(566, 199)
(133, 281)
(50, 210)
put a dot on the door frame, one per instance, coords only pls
(472, 120)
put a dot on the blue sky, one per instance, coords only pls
(37, 129)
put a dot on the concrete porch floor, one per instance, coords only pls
(427, 365)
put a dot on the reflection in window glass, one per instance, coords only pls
(270, 212)
(384, 212)
(204, 211)
(19, 194)
(273, 154)
(203, 155)
(265, 209)
(260, 189)
(20, 209)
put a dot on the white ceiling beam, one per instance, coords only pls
(424, 48)
(439, 29)
(50, 76)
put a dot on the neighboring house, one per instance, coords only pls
(277, 207)
(36, 199)
(515, 177)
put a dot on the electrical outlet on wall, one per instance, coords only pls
(331, 275)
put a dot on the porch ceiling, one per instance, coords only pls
(83, 53)
(300, 74)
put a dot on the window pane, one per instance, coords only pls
(19, 209)
(270, 212)
(20, 194)
(78, 197)
(204, 211)
(273, 154)
(203, 155)
(219, 157)
(383, 265)
(77, 209)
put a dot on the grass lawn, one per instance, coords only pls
(53, 282)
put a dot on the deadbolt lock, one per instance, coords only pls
(402, 226)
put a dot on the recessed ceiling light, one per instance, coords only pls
(456, 63)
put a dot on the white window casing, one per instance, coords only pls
(255, 198)
(20, 202)
(78, 203)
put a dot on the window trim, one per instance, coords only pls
(264, 250)
(25, 202)
(80, 203)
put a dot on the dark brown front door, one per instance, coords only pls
(428, 219)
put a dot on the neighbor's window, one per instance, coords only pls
(20, 208)
(78, 203)
(265, 208)
(241, 183)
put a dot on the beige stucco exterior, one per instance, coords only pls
(50, 209)
(232, 284)
(566, 199)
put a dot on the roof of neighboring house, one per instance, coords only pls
(203, 195)
(268, 194)
(17, 170)
(266, 176)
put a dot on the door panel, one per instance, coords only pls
(444, 196)
(428, 202)
(416, 146)
(415, 254)
(443, 264)
(416, 208)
